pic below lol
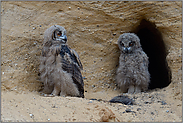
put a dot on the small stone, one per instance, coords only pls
(48, 119)
(69, 7)
(34, 28)
(138, 109)
(163, 103)
(31, 115)
(90, 101)
(78, 8)
(167, 111)
(152, 113)
(99, 100)
(148, 102)
(93, 99)
(114, 34)
(97, 25)
(128, 110)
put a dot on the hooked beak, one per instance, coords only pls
(126, 49)
(64, 38)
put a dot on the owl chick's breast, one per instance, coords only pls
(132, 63)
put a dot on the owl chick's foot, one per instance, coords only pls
(62, 94)
(55, 92)
(137, 89)
(47, 95)
(123, 89)
(131, 89)
(41, 93)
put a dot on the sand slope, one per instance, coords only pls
(92, 30)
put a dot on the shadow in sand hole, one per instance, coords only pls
(153, 44)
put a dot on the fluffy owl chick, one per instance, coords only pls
(132, 74)
(60, 67)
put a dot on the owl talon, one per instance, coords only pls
(41, 93)
(51, 95)
(48, 95)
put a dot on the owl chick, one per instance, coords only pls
(132, 74)
(60, 67)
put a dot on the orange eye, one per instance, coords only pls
(130, 44)
(59, 34)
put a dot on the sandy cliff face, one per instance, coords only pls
(93, 29)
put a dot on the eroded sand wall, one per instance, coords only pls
(93, 29)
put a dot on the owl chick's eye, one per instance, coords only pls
(131, 44)
(122, 44)
(59, 33)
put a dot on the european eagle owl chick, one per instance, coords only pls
(60, 66)
(132, 74)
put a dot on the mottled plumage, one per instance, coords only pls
(132, 74)
(60, 66)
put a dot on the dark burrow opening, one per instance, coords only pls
(154, 46)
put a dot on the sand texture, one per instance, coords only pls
(93, 29)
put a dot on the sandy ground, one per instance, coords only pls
(150, 107)
(92, 30)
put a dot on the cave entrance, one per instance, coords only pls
(154, 46)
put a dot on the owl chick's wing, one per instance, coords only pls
(72, 64)
(145, 59)
(77, 58)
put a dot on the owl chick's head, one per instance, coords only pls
(55, 35)
(128, 42)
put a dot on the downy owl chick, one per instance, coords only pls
(132, 74)
(60, 66)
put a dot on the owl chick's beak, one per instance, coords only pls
(64, 38)
(126, 49)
